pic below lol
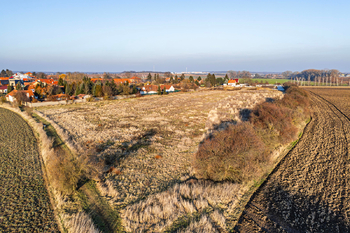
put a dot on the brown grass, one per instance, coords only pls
(130, 135)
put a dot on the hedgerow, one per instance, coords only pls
(242, 152)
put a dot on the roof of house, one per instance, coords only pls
(150, 88)
(233, 81)
(121, 80)
(166, 86)
(96, 79)
(48, 81)
(60, 95)
(13, 93)
(3, 87)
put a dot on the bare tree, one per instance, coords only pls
(21, 97)
(127, 74)
(231, 74)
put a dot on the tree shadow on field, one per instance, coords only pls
(219, 127)
(273, 208)
(244, 114)
(126, 148)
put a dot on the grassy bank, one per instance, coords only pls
(68, 174)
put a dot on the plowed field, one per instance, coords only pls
(24, 201)
(310, 189)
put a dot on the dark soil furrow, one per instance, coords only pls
(24, 201)
(308, 192)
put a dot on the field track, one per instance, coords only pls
(309, 191)
(24, 202)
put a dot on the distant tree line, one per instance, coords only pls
(6, 73)
(99, 89)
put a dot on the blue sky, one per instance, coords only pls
(201, 35)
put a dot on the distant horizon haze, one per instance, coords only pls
(115, 36)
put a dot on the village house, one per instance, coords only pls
(233, 82)
(13, 81)
(4, 81)
(168, 88)
(11, 96)
(46, 81)
(3, 89)
(58, 97)
(135, 80)
(153, 89)
(149, 89)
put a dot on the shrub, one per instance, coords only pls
(233, 154)
(276, 119)
(90, 99)
(3, 99)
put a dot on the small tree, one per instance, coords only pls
(226, 79)
(159, 92)
(9, 88)
(19, 86)
(3, 99)
(21, 97)
(219, 81)
(182, 77)
(176, 80)
(164, 91)
(126, 90)
(107, 90)
(199, 78)
(98, 90)
(60, 82)
(149, 76)
(191, 79)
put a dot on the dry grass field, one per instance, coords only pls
(144, 147)
(25, 204)
(309, 190)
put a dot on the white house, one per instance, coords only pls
(168, 88)
(233, 82)
(3, 89)
(11, 96)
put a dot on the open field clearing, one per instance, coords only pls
(145, 146)
(310, 189)
(269, 80)
(25, 204)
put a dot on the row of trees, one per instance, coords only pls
(238, 74)
(98, 89)
(311, 74)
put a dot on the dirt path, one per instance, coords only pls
(310, 190)
(24, 201)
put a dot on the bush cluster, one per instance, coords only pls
(242, 152)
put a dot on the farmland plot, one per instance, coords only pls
(147, 145)
(310, 190)
(337, 96)
(25, 204)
